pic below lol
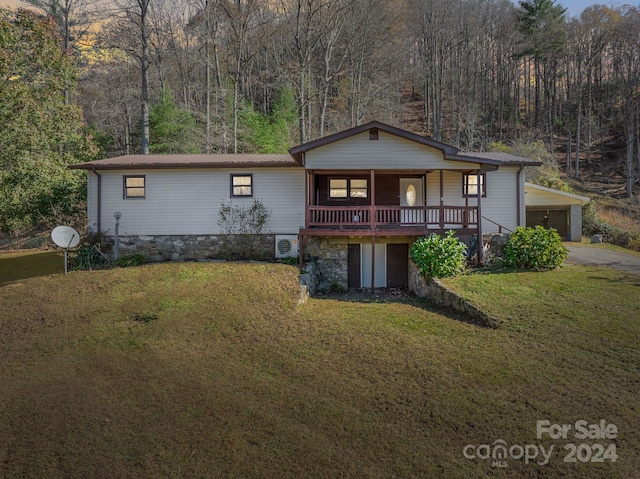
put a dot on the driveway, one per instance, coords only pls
(589, 256)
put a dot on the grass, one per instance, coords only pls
(210, 370)
(20, 265)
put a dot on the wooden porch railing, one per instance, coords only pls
(392, 216)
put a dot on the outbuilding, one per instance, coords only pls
(555, 209)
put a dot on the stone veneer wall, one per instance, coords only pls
(328, 257)
(194, 247)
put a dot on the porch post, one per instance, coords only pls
(441, 214)
(372, 213)
(373, 264)
(466, 205)
(310, 192)
(480, 239)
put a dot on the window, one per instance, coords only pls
(343, 188)
(358, 188)
(241, 185)
(470, 183)
(134, 186)
(338, 188)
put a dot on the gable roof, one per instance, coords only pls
(537, 193)
(297, 151)
(296, 154)
(449, 152)
(132, 162)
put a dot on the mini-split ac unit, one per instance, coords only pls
(286, 246)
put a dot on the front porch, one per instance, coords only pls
(389, 220)
(392, 203)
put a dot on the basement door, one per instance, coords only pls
(397, 265)
(391, 265)
(380, 262)
(411, 194)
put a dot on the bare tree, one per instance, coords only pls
(75, 20)
(626, 58)
(136, 13)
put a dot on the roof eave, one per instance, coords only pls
(174, 166)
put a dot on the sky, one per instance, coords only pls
(574, 7)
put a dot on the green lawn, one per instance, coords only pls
(19, 265)
(210, 370)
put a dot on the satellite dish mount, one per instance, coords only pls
(65, 237)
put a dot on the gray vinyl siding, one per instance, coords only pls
(387, 152)
(499, 205)
(184, 202)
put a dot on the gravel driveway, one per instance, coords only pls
(589, 256)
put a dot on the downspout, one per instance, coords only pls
(99, 223)
(518, 197)
(479, 205)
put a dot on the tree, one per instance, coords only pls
(74, 19)
(41, 134)
(136, 12)
(626, 64)
(541, 23)
(268, 133)
(173, 130)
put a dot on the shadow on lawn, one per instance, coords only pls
(399, 296)
(19, 266)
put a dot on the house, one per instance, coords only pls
(555, 209)
(356, 200)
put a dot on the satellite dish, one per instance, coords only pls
(65, 236)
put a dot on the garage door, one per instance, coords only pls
(556, 219)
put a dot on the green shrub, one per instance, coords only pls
(88, 256)
(439, 256)
(534, 248)
(634, 243)
(291, 260)
(592, 225)
(131, 260)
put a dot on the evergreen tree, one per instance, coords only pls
(269, 133)
(41, 133)
(172, 130)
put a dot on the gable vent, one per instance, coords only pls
(373, 134)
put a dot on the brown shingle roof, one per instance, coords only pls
(130, 162)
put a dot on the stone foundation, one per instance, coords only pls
(159, 248)
(496, 243)
(328, 257)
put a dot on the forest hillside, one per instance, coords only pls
(259, 76)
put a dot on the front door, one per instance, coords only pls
(411, 194)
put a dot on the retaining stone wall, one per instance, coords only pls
(439, 294)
